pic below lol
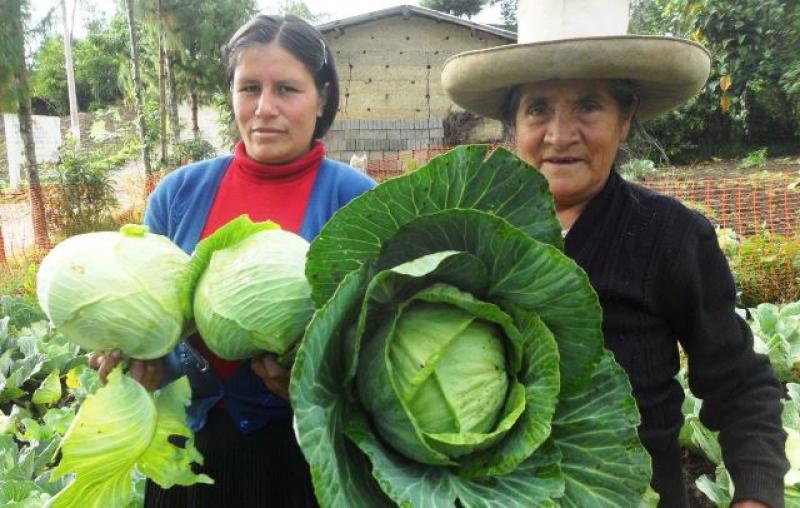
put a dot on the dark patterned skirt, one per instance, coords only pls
(263, 469)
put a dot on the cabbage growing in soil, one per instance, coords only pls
(456, 358)
(116, 290)
(249, 290)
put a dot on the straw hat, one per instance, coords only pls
(577, 39)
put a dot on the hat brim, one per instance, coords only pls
(668, 71)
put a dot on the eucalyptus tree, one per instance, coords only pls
(137, 86)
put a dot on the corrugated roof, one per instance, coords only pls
(407, 10)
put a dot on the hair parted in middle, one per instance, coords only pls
(304, 42)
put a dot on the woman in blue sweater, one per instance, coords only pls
(285, 95)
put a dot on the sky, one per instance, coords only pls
(346, 8)
(332, 10)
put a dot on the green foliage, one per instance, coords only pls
(20, 310)
(754, 158)
(98, 59)
(694, 435)
(79, 192)
(190, 150)
(776, 333)
(767, 269)
(466, 8)
(18, 278)
(751, 97)
(300, 9)
(37, 404)
(45, 379)
(637, 169)
(508, 9)
(11, 51)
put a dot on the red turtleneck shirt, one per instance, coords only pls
(279, 193)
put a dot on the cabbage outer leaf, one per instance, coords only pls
(230, 234)
(116, 428)
(464, 177)
(163, 462)
(604, 463)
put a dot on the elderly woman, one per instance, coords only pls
(569, 92)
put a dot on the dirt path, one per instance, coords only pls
(128, 182)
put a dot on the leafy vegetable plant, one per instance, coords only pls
(457, 357)
(776, 333)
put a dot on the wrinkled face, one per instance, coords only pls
(571, 131)
(276, 104)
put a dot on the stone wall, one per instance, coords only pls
(378, 138)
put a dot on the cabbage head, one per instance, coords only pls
(250, 293)
(116, 290)
(456, 357)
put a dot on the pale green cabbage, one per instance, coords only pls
(116, 290)
(251, 295)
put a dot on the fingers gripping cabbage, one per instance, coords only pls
(456, 357)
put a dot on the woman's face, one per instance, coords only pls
(275, 103)
(571, 131)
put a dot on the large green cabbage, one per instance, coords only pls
(249, 290)
(116, 290)
(457, 356)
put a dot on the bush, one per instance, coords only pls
(767, 269)
(754, 158)
(78, 189)
(18, 278)
(637, 169)
(190, 150)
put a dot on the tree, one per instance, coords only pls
(14, 39)
(99, 58)
(508, 9)
(70, 70)
(137, 85)
(752, 97)
(466, 8)
(300, 9)
(199, 70)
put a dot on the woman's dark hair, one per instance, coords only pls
(300, 39)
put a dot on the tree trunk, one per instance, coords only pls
(70, 66)
(150, 178)
(41, 239)
(162, 87)
(195, 123)
(174, 123)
